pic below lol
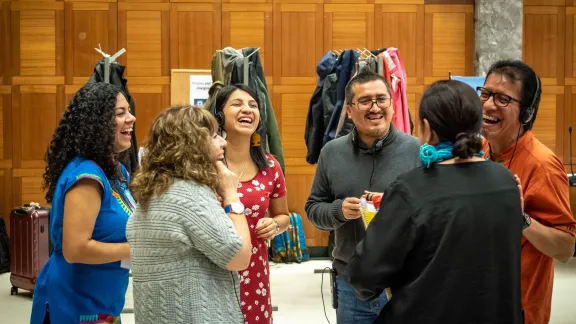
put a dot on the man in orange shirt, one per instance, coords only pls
(510, 96)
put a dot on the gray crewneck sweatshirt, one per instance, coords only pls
(347, 167)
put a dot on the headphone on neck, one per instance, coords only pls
(527, 114)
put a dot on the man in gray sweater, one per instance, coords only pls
(367, 159)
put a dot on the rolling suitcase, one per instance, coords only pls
(29, 245)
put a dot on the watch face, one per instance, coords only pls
(237, 208)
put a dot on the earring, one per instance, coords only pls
(255, 139)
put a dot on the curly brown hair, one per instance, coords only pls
(178, 147)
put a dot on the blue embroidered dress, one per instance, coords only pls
(84, 293)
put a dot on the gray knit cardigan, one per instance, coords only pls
(180, 246)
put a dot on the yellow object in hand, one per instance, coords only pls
(368, 211)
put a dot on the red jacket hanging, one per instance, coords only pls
(395, 73)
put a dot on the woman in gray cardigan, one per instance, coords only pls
(185, 247)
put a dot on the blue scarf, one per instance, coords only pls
(435, 154)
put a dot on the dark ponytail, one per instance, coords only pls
(467, 145)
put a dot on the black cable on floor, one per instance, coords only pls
(322, 291)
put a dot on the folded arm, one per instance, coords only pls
(547, 202)
(555, 243)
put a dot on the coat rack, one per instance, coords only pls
(246, 64)
(109, 60)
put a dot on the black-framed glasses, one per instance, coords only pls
(500, 100)
(364, 104)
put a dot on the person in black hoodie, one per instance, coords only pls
(446, 239)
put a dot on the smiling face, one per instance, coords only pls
(371, 121)
(241, 114)
(218, 145)
(124, 124)
(500, 118)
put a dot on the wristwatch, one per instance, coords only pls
(235, 207)
(527, 221)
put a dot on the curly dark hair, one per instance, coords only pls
(87, 130)
(179, 147)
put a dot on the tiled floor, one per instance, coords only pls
(296, 292)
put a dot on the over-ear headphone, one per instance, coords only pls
(527, 114)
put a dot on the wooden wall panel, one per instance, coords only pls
(292, 120)
(6, 196)
(545, 125)
(250, 25)
(449, 41)
(544, 41)
(348, 26)
(144, 31)
(194, 34)
(5, 127)
(27, 187)
(89, 25)
(37, 32)
(36, 108)
(409, 39)
(5, 48)
(568, 116)
(151, 100)
(35, 114)
(298, 30)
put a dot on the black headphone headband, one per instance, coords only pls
(527, 114)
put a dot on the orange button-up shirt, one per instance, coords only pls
(547, 200)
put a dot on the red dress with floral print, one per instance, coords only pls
(255, 194)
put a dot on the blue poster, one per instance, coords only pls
(473, 81)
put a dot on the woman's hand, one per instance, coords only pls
(227, 182)
(266, 228)
(519, 185)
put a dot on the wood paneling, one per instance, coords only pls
(37, 40)
(5, 127)
(151, 100)
(5, 42)
(194, 34)
(89, 25)
(50, 54)
(6, 201)
(249, 25)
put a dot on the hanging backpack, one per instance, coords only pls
(296, 222)
(4, 247)
(290, 246)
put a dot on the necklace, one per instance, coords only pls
(242, 172)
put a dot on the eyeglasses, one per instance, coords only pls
(500, 100)
(366, 103)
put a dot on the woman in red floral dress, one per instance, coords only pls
(262, 191)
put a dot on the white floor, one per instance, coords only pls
(297, 293)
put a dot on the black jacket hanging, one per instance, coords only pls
(117, 78)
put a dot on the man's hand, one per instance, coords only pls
(519, 185)
(351, 208)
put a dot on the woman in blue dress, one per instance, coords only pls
(83, 281)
